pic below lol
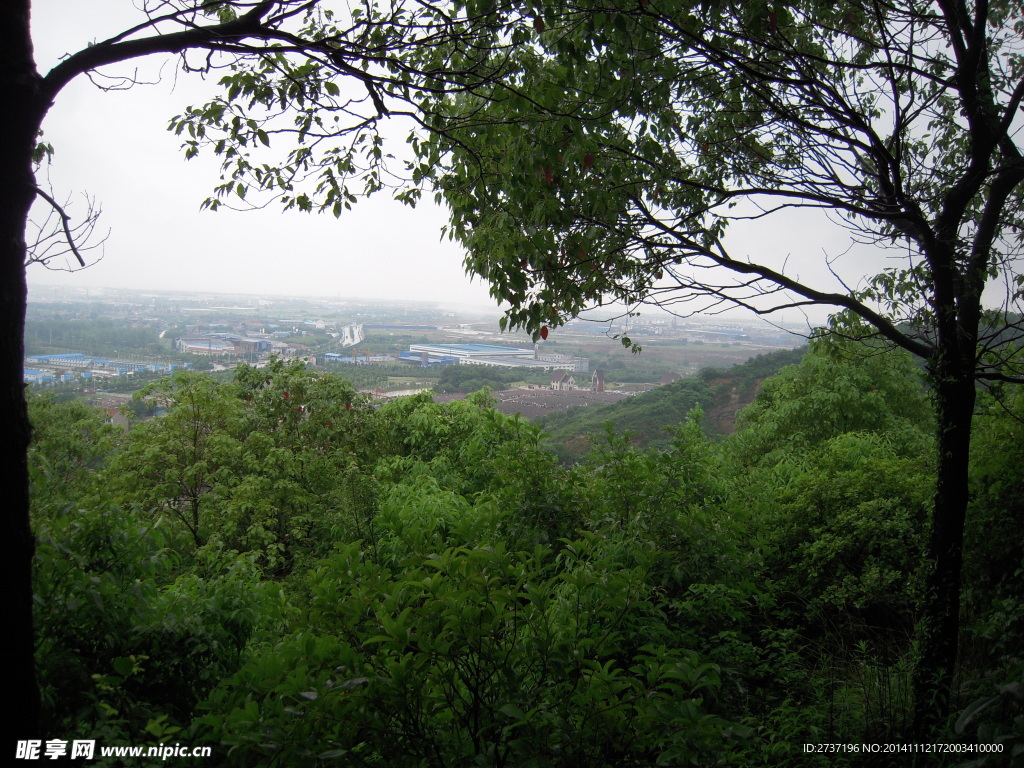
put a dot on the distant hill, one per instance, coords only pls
(720, 392)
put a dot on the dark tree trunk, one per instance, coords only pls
(939, 629)
(19, 88)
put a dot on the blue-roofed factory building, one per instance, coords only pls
(43, 369)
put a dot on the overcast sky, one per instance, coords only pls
(115, 147)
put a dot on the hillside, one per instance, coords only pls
(721, 393)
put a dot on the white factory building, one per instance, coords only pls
(491, 355)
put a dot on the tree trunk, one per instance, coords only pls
(19, 87)
(939, 628)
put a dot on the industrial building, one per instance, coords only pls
(222, 344)
(67, 367)
(489, 355)
(356, 359)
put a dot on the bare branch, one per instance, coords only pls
(52, 242)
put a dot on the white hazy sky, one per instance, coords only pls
(115, 147)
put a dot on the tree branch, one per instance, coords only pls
(65, 221)
(103, 54)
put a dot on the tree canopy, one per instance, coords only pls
(627, 141)
(645, 134)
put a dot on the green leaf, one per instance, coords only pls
(124, 666)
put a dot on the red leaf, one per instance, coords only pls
(588, 161)
(538, 24)
(544, 332)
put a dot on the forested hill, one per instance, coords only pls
(286, 573)
(720, 393)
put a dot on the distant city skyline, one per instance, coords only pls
(41, 294)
